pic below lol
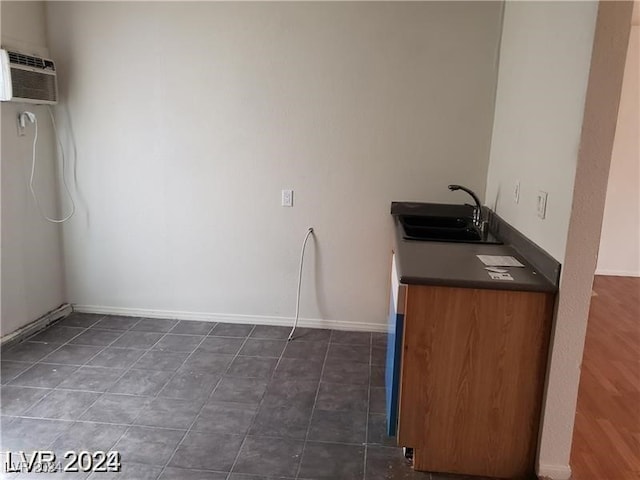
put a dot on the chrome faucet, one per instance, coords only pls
(477, 210)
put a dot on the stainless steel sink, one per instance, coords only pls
(444, 229)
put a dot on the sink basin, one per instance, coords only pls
(442, 234)
(443, 229)
(431, 221)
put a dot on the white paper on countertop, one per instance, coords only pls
(500, 276)
(499, 261)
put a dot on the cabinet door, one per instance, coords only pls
(473, 373)
(394, 348)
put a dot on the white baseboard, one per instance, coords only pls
(554, 472)
(232, 318)
(618, 273)
(60, 312)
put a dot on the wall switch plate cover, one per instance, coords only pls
(542, 204)
(287, 198)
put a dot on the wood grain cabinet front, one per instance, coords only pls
(472, 379)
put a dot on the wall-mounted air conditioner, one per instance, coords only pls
(27, 78)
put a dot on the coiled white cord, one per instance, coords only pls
(304, 244)
(34, 119)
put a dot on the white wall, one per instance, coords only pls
(553, 134)
(190, 119)
(596, 146)
(544, 64)
(620, 240)
(545, 59)
(32, 271)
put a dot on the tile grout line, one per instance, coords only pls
(102, 394)
(366, 425)
(81, 345)
(195, 419)
(150, 348)
(127, 425)
(211, 394)
(154, 397)
(72, 421)
(313, 408)
(56, 323)
(78, 367)
(126, 370)
(33, 364)
(94, 421)
(258, 406)
(224, 374)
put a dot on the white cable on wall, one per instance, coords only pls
(32, 117)
(304, 244)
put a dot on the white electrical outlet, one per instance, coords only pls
(542, 204)
(516, 192)
(21, 127)
(287, 198)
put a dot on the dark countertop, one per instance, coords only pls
(456, 264)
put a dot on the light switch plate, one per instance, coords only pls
(542, 204)
(287, 198)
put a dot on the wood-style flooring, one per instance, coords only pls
(606, 443)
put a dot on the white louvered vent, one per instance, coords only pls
(28, 78)
(30, 61)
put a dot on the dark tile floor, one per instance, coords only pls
(184, 400)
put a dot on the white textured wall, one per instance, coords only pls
(620, 241)
(544, 64)
(556, 105)
(598, 131)
(190, 119)
(32, 271)
(545, 61)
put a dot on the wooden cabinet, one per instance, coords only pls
(472, 378)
